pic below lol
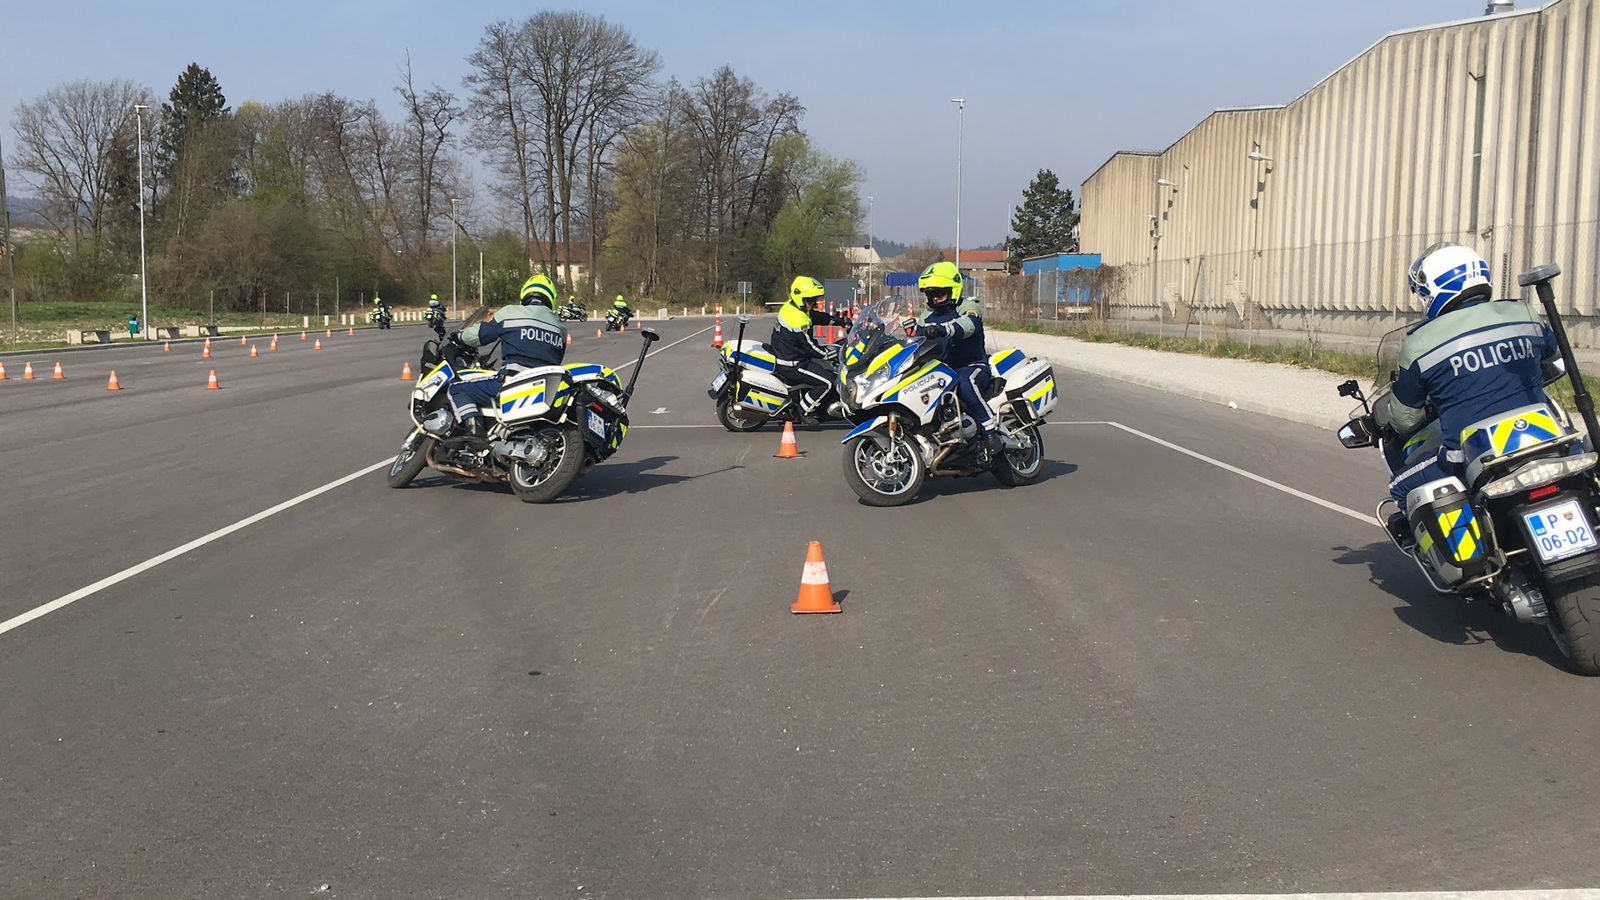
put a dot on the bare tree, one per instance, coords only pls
(505, 112)
(429, 115)
(65, 140)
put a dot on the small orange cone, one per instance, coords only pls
(274, 344)
(166, 347)
(27, 371)
(59, 374)
(302, 335)
(329, 334)
(241, 340)
(112, 385)
(405, 372)
(318, 345)
(253, 353)
(205, 352)
(208, 343)
(597, 332)
(788, 448)
(569, 340)
(352, 332)
(211, 383)
(816, 596)
(2, 371)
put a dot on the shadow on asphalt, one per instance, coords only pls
(1445, 618)
(608, 479)
(953, 487)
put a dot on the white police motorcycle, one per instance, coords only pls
(748, 392)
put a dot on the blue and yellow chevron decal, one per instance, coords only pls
(1461, 528)
(852, 355)
(1044, 396)
(891, 357)
(894, 395)
(1510, 435)
(533, 394)
(1006, 360)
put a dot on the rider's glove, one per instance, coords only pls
(932, 330)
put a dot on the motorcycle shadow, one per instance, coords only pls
(609, 479)
(954, 487)
(1445, 618)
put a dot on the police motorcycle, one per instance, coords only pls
(616, 319)
(1518, 529)
(911, 425)
(572, 311)
(380, 317)
(549, 425)
(747, 390)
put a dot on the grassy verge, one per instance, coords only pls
(44, 324)
(1362, 367)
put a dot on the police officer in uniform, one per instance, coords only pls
(530, 335)
(801, 360)
(960, 324)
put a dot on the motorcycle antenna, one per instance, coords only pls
(650, 337)
(1539, 279)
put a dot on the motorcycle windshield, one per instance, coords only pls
(1387, 365)
(478, 315)
(880, 327)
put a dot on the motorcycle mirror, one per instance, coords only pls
(1349, 388)
(744, 319)
(650, 335)
(1357, 433)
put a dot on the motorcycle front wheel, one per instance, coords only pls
(560, 467)
(1575, 622)
(735, 419)
(411, 460)
(880, 477)
(1021, 466)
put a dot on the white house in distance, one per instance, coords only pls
(860, 260)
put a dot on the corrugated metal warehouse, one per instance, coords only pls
(1484, 131)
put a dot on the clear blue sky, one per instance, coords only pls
(1058, 85)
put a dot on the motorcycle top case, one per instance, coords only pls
(1448, 531)
(1030, 384)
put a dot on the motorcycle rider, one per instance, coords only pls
(434, 315)
(1472, 357)
(960, 323)
(801, 360)
(379, 308)
(530, 335)
(621, 309)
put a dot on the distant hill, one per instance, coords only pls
(25, 210)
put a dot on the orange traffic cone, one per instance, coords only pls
(253, 353)
(351, 332)
(27, 371)
(208, 343)
(597, 332)
(716, 337)
(405, 372)
(241, 340)
(318, 345)
(816, 596)
(112, 385)
(211, 383)
(205, 353)
(569, 340)
(59, 374)
(166, 347)
(302, 335)
(274, 344)
(2, 371)
(788, 448)
(329, 334)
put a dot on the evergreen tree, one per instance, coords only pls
(195, 101)
(1046, 222)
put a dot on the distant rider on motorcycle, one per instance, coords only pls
(800, 358)
(530, 335)
(1471, 358)
(434, 315)
(960, 323)
(620, 307)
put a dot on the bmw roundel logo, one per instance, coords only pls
(1520, 424)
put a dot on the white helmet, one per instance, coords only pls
(1445, 272)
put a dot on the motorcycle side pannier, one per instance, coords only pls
(1448, 531)
(1031, 389)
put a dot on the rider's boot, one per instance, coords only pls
(1400, 531)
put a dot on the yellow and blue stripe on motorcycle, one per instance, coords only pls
(852, 354)
(1460, 528)
(435, 380)
(1043, 398)
(893, 395)
(1521, 428)
(758, 399)
(532, 395)
(580, 371)
(755, 359)
(893, 358)
(1006, 360)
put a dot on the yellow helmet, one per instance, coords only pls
(804, 288)
(938, 276)
(539, 289)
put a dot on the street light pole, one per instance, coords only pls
(144, 287)
(455, 226)
(961, 117)
(5, 244)
(869, 248)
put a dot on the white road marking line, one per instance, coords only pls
(69, 599)
(151, 563)
(1557, 894)
(1277, 486)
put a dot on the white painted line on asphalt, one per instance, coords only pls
(1277, 486)
(151, 563)
(1559, 894)
(660, 349)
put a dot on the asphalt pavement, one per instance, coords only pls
(1186, 661)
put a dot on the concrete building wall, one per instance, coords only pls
(1484, 131)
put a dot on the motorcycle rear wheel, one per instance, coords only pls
(879, 478)
(546, 482)
(737, 420)
(411, 460)
(1014, 468)
(1575, 622)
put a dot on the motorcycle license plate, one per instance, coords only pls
(719, 381)
(596, 424)
(1560, 531)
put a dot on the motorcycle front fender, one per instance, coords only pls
(875, 430)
